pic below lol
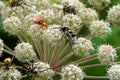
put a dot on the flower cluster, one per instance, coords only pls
(114, 72)
(24, 52)
(82, 46)
(106, 54)
(11, 74)
(100, 28)
(12, 25)
(76, 4)
(88, 15)
(72, 72)
(114, 15)
(99, 4)
(44, 71)
(36, 31)
(53, 33)
(73, 21)
(49, 18)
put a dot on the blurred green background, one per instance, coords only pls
(112, 39)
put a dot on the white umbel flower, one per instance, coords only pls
(106, 54)
(20, 11)
(1, 46)
(99, 4)
(24, 52)
(48, 15)
(53, 34)
(40, 4)
(114, 72)
(82, 46)
(75, 3)
(31, 17)
(43, 71)
(88, 15)
(114, 15)
(36, 31)
(11, 74)
(100, 28)
(12, 25)
(73, 21)
(72, 72)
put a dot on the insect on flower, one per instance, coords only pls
(68, 33)
(14, 3)
(69, 9)
(28, 69)
(40, 22)
(6, 63)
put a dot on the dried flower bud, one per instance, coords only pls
(114, 15)
(72, 72)
(73, 21)
(43, 71)
(1, 46)
(106, 54)
(114, 72)
(100, 28)
(12, 25)
(82, 46)
(88, 15)
(24, 52)
(99, 4)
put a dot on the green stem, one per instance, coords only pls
(90, 36)
(45, 49)
(9, 52)
(6, 47)
(64, 59)
(38, 48)
(53, 54)
(81, 62)
(117, 48)
(86, 58)
(20, 38)
(60, 52)
(96, 77)
(93, 65)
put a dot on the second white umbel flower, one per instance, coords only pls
(72, 72)
(114, 72)
(100, 28)
(82, 46)
(24, 52)
(12, 25)
(106, 54)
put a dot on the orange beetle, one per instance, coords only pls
(40, 22)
